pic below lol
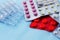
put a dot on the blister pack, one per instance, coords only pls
(45, 15)
(10, 13)
(37, 8)
(55, 16)
(57, 31)
(44, 23)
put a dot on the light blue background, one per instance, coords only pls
(22, 30)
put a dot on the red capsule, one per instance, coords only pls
(49, 18)
(53, 22)
(50, 28)
(33, 25)
(37, 20)
(44, 20)
(50, 25)
(41, 26)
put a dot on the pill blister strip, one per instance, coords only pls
(48, 6)
(14, 13)
(57, 31)
(43, 3)
(55, 16)
(3, 12)
(30, 10)
(40, 9)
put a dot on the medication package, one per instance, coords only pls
(43, 14)
(10, 13)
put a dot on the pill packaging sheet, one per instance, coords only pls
(10, 13)
(46, 23)
(56, 17)
(29, 15)
(36, 8)
(57, 31)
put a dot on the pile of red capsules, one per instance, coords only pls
(44, 23)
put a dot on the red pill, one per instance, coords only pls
(37, 20)
(49, 18)
(53, 22)
(39, 23)
(45, 20)
(50, 28)
(41, 26)
(33, 25)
